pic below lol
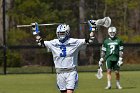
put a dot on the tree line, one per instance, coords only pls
(125, 15)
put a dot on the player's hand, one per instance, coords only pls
(91, 35)
(35, 28)
(92, 29)
(92, 25)
(100, 62)
(120, 62)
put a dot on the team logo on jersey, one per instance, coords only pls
(113, 43)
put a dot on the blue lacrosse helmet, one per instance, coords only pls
(62, 32)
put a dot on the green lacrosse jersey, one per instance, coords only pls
(112, 48)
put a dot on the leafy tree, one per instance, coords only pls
(41, 11)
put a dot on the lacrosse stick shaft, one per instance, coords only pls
(39, 25)
(84, 23)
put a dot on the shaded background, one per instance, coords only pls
(22, 50)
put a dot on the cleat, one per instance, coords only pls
(108, 87)
(119, 87)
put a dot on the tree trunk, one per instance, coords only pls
(124, 17)
(82, 18)
(7, 6)
(1, 27)
(82, 54)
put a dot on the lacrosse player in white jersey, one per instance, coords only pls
(65, 54)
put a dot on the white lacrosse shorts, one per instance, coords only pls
(67, 80)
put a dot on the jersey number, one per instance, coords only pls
(112, 48)
(63, 48)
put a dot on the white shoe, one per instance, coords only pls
(108, 87)
(118, 87)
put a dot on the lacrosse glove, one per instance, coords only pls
(101, 62)
(120, 62)
(92, 25)
(35, 28)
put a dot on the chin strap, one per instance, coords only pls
(65, 39)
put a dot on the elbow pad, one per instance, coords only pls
(40, 41)
(90, 40)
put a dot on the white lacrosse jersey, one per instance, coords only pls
(65, 54)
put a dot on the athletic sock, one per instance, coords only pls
(118, 83)
(109, 83)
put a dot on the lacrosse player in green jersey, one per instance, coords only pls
(112, 53)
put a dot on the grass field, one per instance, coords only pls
(88, 83)
(34, 69)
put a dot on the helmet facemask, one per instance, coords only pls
(63, 32)
(112, 32)
(61, 35)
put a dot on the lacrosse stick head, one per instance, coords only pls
(106, 22)
(99, 74)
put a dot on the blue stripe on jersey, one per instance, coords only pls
(63, 48)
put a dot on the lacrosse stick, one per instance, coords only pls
(106, 22)
(99, 74)
(39, 25)
(35, 26)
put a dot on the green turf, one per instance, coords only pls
(46, 83)
(34, 69)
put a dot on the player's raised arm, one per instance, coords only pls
(92, 28)
(37, 35)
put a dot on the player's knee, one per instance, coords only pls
(117, 72)
(70, 90)
(108, 70)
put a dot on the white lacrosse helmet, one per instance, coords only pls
(112, 31)
(62, 32)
